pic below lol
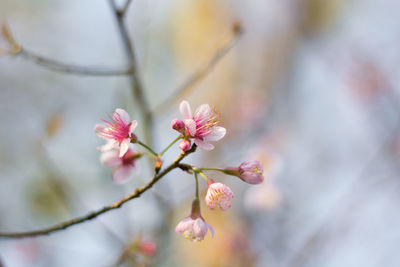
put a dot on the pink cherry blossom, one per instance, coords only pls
(194, 228)
(119, 130)
(122, 167)
(250, 172)
(202, 126)
(218, 195)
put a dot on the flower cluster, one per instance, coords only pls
(201, 128)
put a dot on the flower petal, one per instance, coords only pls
(124, 147)
(203, 145)
(108, 146)
(211, 229)
(121, 174)
(99, 128)
(191, 125)
(184, 225)
(123, 115)
(217, 133)
(203, 111)
(185, 110)
(133, 126)
(110, 159)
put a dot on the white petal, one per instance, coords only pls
(185, 110)
(203, 111)
(124, 147)
(133, 126)
(110, 158)
(123, 115)
(217, 134)
(203, 145)
(108, 146)
(191, 125)
(121, 174)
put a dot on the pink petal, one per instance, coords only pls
(108, 146)
(121, 174)
(124, 116)
(110, 159)
(185, 110)
(191, 125)
(203, 111)
(203, 145)
(217, 134)
(211, 229)
(99, 128)
(124, 147)
(184, 225)
(133, 126)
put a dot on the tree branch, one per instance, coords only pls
(58, 66)
(17, 50)
(136, 86)
(196, 77)
(135, 194)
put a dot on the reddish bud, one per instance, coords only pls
(178, 125)
(185, 145)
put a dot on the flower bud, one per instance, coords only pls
(178, 125)
(249, 171)
(185, 145)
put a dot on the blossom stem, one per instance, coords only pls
(148, 148)
(203, 175)
(197, 186)
(169, 146)
(213, 169)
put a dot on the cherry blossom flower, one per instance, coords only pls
(119, 130)
(250, 172)
(149, 248)
(122, 167)
(218, 195)
(202, 126)
(194, 229)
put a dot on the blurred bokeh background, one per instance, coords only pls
(310, 88)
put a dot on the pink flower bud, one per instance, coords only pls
(185, 145)
(218, 195)
(249, 171)
(178, 125)
(149, 248)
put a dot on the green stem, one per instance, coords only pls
(168, 147)
(203, 175)
(148, 148)
(197, 185)
(213, 169)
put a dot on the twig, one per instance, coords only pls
(197, 76)
(135, 194)
(136, 85)
(125, 7)
(17, 50)
(58, 66)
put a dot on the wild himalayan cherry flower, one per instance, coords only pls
(249, 171)
(119, 130)
(202, 126)
(218, 195)
(194, 227)
(122, 167)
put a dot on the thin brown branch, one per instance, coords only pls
(197, 76)
(126, 6)
(59, 66)
(135, 194)
(136, 85)
(16, 49)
